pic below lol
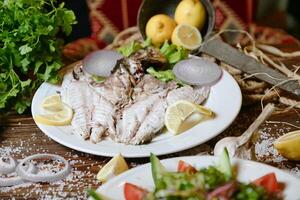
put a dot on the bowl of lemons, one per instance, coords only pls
(185, 23)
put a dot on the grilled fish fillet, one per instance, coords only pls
(78, 94)
(144, 117)
(95, 104)
(93, 114)
(141, 120)
(129, 106)
(193, 94)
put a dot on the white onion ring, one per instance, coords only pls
(7, 167)
(43, 177)
(101, 62)
(197, 71)
(11, 181)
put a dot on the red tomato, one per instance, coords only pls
(185, 167)
(269, 182)
(133, 192)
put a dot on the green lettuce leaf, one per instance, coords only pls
(173, 53)
(164, 76)
(130, 48)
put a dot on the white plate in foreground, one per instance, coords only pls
(247, 171)
(224, 99)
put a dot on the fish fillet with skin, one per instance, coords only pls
(144, 117)
(90, 109)
(118, 87)
(193, 94)
(102, 118)
(129, 106)
(77, 94)
(141, 120)
(95, 104)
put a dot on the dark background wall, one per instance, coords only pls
(282, 14)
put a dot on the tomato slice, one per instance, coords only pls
(269, 182)
(185, 167)
(133, 192)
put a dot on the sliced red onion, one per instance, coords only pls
(21, 171)
(7, 165)
(197, 71)
(101, 63)
(16, 180)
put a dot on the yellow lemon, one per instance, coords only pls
(187, 36)
(288, 145)
(52, 99)
(159, 28)
(183, 115)
(190, 12)
(115, 166)
(61, 115)
(52, 103)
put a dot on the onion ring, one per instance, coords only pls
(197, 71)
(43, 177)
(11, 181)
(7, 167)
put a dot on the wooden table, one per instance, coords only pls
(20, 137)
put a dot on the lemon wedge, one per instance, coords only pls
(288, 145)
(60, 116)
(115, 166)
(183, 115)
(187, 36)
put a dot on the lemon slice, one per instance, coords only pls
(288, 145)
(115, 166)
(63, 116)
(183, 115)
(187, 36)
(52, 99)
(52, 103)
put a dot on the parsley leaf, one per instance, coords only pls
(30, 52)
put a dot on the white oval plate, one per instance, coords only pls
(224, 99)
(247, 171)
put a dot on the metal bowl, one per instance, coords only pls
(150, 8)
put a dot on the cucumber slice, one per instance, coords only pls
(158, 170)
(224, 164)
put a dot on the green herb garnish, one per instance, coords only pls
(164, 76)
(173, 53)
(98, 79)
(30, 52)
(130, 48)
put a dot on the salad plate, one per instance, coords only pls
(247, 171)
(224, 100)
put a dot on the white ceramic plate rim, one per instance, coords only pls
(248, 171)
(225, 100)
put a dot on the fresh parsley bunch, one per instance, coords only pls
(30, 52)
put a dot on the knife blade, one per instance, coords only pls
(230, 55)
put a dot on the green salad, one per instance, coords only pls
(211, 183)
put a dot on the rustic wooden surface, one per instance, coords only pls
(20, 137)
